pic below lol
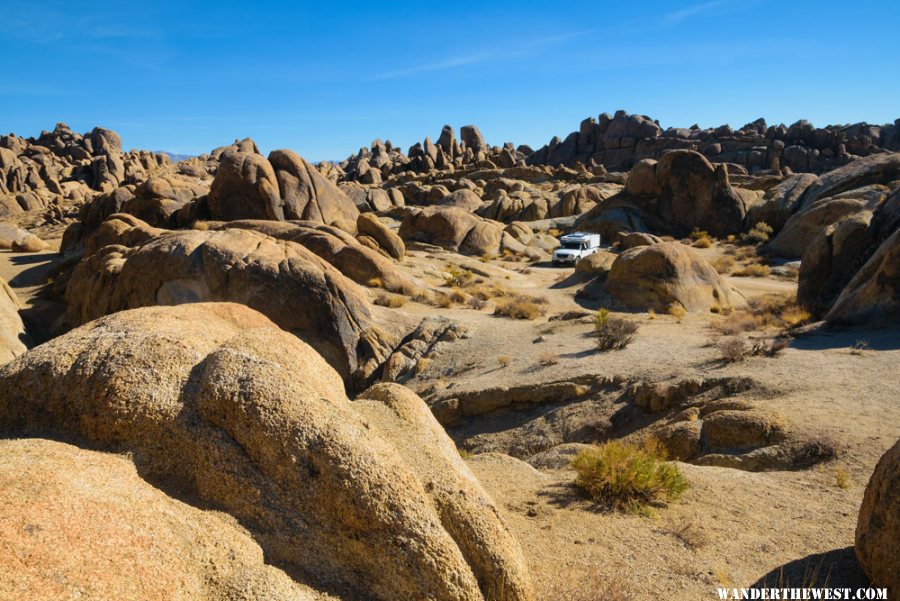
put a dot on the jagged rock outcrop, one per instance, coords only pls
(619, 142)
(217, 402)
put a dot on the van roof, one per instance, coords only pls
(577, 236)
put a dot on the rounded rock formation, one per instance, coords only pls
(216, 402)
(878, 527)
(666, 274)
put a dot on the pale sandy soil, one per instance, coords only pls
(736, 527)
(748, 526)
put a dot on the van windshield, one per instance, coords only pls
(573, 245)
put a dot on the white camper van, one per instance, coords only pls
(575, 246)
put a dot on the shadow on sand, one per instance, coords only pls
(837, 568)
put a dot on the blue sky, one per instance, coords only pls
(324, 79)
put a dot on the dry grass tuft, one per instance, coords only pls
(503, 361)
(626, 476)
(704, 242)
(758, 234)
(688, 533)
(754, 270)
(676, 311)
(546, 359)
(457, 276)
(386, 299)
(200, 225)
(724, 264)
(586, 585)
(779, 312)
(699, 234)
(375, 283)
(521, 307)
(841, 478)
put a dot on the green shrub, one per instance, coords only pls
(626, 476)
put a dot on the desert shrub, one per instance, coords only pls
(704, 242)
(555, 232)
(627, 476)
(520, 307)
(754, 270)
(503, 361)
(457, 295)
(200, 225)
(375, 283)
(651, 313)
(386, 299)
(723, 264)
(758, 234)
(546, 359)
(457, 276)
(443, 301)
(732, 349)
(859, 347)
(613, 332)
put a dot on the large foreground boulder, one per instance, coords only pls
(368, 499)
(13, 337)
(291, 285)
(668, 274)
(878, 527)
(77, 524)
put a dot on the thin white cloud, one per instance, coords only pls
(443, 65)
(465, 60)
(692, 11)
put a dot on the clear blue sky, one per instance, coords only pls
(325, 78)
